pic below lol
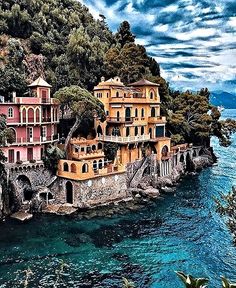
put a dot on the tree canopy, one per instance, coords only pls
(78, 103)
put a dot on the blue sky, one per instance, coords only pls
(193, 40)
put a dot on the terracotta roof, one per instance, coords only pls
(143, 82)
(40, 82)
(112, 81)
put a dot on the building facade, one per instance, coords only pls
(33, 120)
(133, 119)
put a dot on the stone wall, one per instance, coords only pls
(91, 192)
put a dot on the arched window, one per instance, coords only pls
(99, 130)
(95, 165)
(10, 112)
(85, 168)
(150, 132)
(100, 164)
(136, 112)
(37, 111)
(73, 168)
(65, 167)
(13, 131)
(127, 114)
(117, 94)
(164, 151)
(94, 147)
(136, 131)
(116, 131)
(31, 115)
(99, 146)
(142, 130)
(142, 113)
(127, 131)
(118, 115)
(151, 95)
(24, 115)
(153, 112)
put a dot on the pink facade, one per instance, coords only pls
(33, 119)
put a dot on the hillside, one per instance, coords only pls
(222, 98)
(61, 41)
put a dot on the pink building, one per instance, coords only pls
(33, 119)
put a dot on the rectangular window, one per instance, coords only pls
(44, 132)
(160, 131)
(30, 134)
(30, 154)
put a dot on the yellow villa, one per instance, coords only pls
(133, 118)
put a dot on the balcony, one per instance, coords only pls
(124, 140)
(89, 155)
(120, 120)
(157, 120)
(34, 140)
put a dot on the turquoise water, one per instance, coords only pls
(182, 232)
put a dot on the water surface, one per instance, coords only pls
(183, 232)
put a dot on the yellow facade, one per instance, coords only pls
(133, 121)
(133, 117)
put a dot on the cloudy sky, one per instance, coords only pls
(193, 40)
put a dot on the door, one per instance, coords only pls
(29, 154)
(18, 156)
(69, 192)
(11, 158)
(30, 134)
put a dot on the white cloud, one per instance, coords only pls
(161, 28)
(170, 8)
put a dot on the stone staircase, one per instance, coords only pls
(135, 180)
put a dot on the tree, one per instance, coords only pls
(124, 35)
(79, 103)
(51, 157)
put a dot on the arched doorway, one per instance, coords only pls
(23, 183)
(127, 114)
(69, 192)
(99, 130)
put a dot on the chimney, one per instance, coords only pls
(13, 96)
(102, 79)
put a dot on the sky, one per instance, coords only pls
(194, 41)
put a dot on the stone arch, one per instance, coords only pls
(24, 185)
(94, 147)
(99, 130)
(69, 192)
(189, 163)
(65, 167)
(164, 151)
(73, 168)
(85, 168)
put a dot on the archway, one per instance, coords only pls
(99, 130)
(189, 163)
(127, 114)
(69, 192)
(100, 164)
(24, 185)
(194, 153)
(118, 116)
(65, 167)
(95, 165)
(164, 151)
(99, 146)
(85, 168)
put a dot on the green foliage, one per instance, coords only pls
(124, 35)
(6, 134)
(191, 282)
(110, 150)
(79, 104)
(51, 156)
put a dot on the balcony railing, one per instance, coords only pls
(120, 119)
(156, 119)
(34, 140)
(120, 139)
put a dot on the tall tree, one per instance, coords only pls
(124, 34)
(79, 104)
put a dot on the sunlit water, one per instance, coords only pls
(182, 232)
